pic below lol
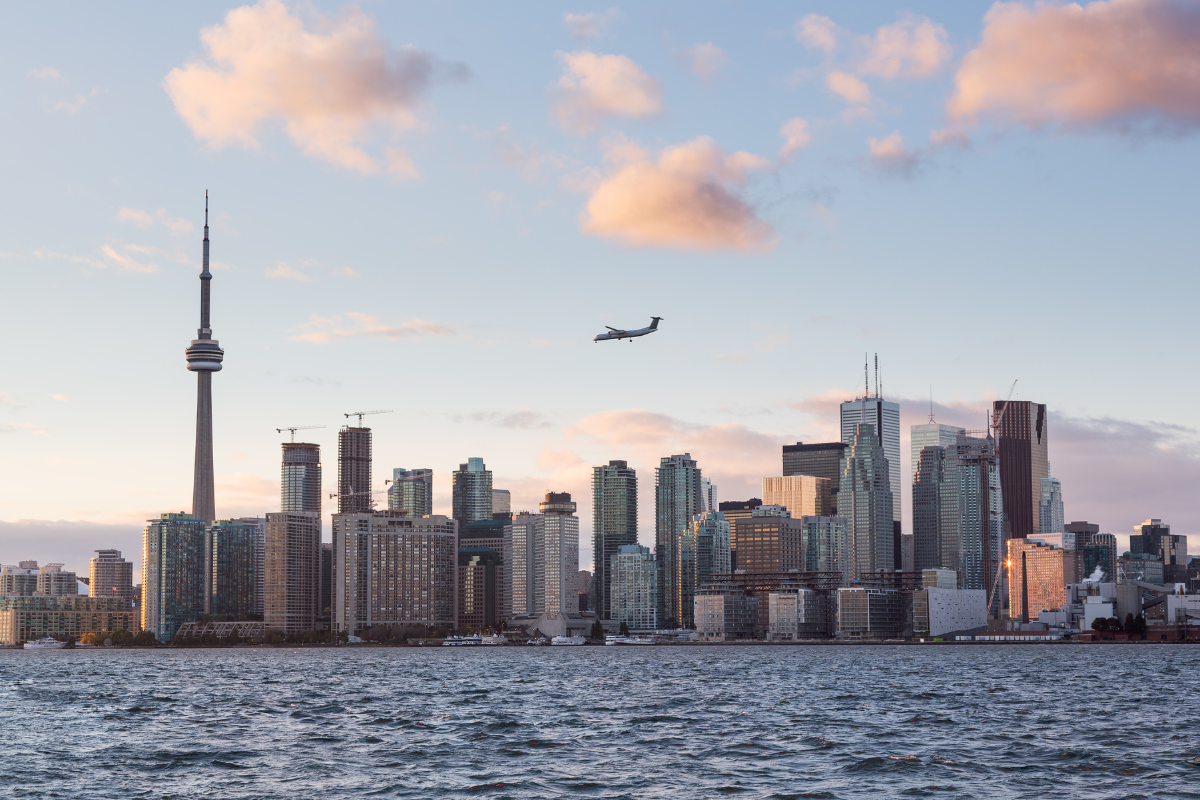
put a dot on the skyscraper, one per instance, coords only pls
(293, 571)
(1022, 442)
(230, 588)
(865, 500)
(708, 495)
(822, 460)
(676, 500)
(519, 571)
(704, 551)
(884, 419)
(300, 484)
(930, 434)
(823, 541)
(634, 587)
(1037, 578)
(174, 558)
(501, 502)
(1153, 537)
(411, 491)
(556, 556)
(204, 357)
(934, 508)
(394, 570)
(472, 491)
(1050, 506)
(614, 525)
(259, 524)
(354, 470)
(110, 575)
(801, 495)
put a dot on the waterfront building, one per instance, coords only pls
(869, 613)
(54, 581)
(354, 470)
(325, 590)
(204, 356)
(796, 615)
(28, 618)
(394, 570)
(1050, 506)
(677, 499)
(884, 419)
(704, 551)
(1038, 575)
(634, 587)
(823, 546)
(821, 460)
(501, 503)
(738, 509)
(940, 607)
(479, 576)
(768, 541)
(300, 484)
(865, 501)
(725, 615)
(1022, 444)
(520, 572)
(411, 491)
(20, 580)
(1154, 537)
(231, 586)
(556, 557)
(614, 525)
(259, 524)
(110, 575)
(496, 535)
(293, 570)
(174, 561)
(930, 434)
(471, 486)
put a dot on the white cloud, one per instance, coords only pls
(595, 86)
(46, 74)
(590, 25)
(287, 272)
(124, 260)
(914, 47)
(796, 137)
(817, 32)
(76, 103)
(144, 219)
(319, 330)
(329, 86)
(28, 427)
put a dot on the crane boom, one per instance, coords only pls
(361, 414)
(294, 428)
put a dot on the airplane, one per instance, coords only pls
(620, 334)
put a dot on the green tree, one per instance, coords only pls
(624, 628)
(597, 631)
(1129, 623)
(143, 639)
(1114, 624)
(1100, 624)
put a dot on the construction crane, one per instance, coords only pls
(361, 414)
(294, 428)
(995, 426)
(353, 493)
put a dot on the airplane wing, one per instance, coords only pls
(614, 330)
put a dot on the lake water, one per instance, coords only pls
(652, 722)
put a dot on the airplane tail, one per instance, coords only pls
(654, 323)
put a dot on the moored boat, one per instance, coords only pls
(45, 644)
(574, 641)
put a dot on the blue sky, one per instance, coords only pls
(976, 217)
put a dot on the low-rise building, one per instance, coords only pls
(1143, 567)
(20, 580)
(870, 613)
(799, 614)
(27, 619)
(110, 575)
(940, 608)
(54, 581)
(724, 616)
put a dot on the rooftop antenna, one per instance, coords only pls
(877, 376)
(931, 402)
(866, 392)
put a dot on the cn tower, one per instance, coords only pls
(204, 356)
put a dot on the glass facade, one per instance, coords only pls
(1037, 578)
(614, 525)
(411, 490)
(354, 470)
(1023, 445)
(472, 491)
(865, 501)
(768, 542)
(801, 495)
(634, 587)
(232, 585)
(864, 613)
(884, 419)
(521, 536)
(1050, 506)
(824, 545)
(704, 551)
(174, 576)
(300, 488)
(293, 571)
(930, 434)
(822, 460)
(677, 498)
(478, 587)
(556, 556)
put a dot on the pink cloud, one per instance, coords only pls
(704, 60)
(890, 155)
(796, 136)
(848, 87)
(595, 86)
(1107, 63)
(689, 198)
(328, 87)
(914, 47)
(319, 330)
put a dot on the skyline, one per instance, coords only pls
(322, 321)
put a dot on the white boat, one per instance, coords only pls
(463, 641)
(626, 640)
(574, 641)
(494, 640)
(45, 644)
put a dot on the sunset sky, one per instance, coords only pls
(434, 207)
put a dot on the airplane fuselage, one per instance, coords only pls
(615, 333)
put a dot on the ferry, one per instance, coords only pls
(573, 641)
(627, 640)
(493, 641)
(45, 644)
(463, 641)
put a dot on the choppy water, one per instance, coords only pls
(678, 722)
